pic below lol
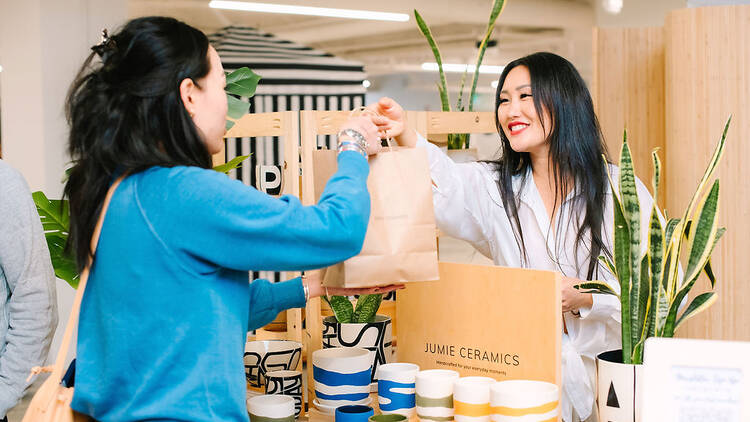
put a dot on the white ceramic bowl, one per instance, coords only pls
(269, 355)
(531, 401)
(396, 392)
(434, 389)
(271, 406)
(474, 392)
(342, 375)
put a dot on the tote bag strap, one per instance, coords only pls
(57, 370)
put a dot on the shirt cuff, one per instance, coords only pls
(289, 294)
(603, 307)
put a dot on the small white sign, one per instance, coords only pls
(687, 380)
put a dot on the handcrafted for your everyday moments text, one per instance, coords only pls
(472, 353)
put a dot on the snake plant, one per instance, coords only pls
(459, 140)
(653, 285)
(345, 312)
(55, 213)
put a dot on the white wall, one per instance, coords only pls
(42, 45)
(637, 13)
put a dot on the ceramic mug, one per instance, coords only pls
(524, 401)
(342, 376)
(269, 355)
(287, 383)
(356, 413)
(434, 397)
(471, 399)
(271, 408)
(393, 417)
(396, 389)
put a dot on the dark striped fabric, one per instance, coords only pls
(294, 77)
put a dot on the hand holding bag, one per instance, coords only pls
(51, 403)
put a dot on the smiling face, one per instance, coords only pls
(520, 122)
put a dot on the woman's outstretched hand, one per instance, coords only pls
(314, 283)
(390, 118)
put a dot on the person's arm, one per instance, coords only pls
(32, 303)
(268, 299)
(215, 221)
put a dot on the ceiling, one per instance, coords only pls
(525, 26)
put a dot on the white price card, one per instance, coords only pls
(687, 380)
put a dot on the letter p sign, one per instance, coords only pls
(269, 179)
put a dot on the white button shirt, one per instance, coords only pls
(468, 206)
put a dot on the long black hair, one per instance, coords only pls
(126, 114)
(576, 147)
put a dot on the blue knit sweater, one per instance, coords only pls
(168, 305)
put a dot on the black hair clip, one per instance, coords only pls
(106, 45)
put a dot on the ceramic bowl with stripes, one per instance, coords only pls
(434, 398)
(342, 376)
(524, 401)
(271, 408)
(396, 388)
(471, 399)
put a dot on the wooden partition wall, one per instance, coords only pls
(673, 88)
(708, 69)
(628, 90)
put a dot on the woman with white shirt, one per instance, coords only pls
(545, 204)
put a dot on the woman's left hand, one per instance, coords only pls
(315, 285)
(573, 299)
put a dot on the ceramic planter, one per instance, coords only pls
(375, 337)
(618, 388)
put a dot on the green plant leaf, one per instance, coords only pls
(707, 268)
(232, 164)
(367, 308)
(242, 82)
(631, 213)
(608, 263)
(703, 233)
(444, 97)
(342, 308)
(55, 218)
(657, 174)
(497, 8)
(656, 266)
(698, 305)
(718, 152)
(641, 326)
(236, 108)
(622, 265)
(662, 310)
(596, 287)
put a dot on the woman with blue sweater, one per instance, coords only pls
(168, 304)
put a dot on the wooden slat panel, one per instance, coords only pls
(443, 122)
(708, 75)
(628, 91)
(264, 124)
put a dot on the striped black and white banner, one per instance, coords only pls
(294, 77)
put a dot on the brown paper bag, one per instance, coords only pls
(400, 245)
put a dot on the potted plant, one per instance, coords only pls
(458, 141)
(55, 213)
(359, 326)
(653, 286)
